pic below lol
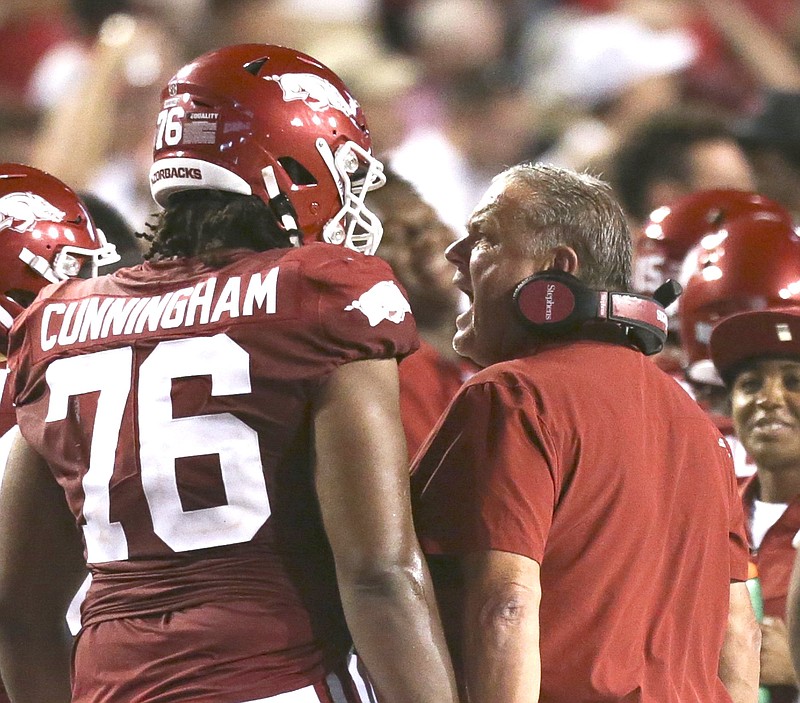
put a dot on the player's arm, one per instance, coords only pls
(362, 482)
(768, 56)
(41, 568)
(739, 658)
(59, 140)
(501, 628)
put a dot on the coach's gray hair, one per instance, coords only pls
(563, 207)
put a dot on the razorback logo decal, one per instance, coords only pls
(21, 211)
(316, 92)
(383, 301)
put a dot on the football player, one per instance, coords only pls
(46, 235)
(413, 243)
(218, 428)
(670, 245)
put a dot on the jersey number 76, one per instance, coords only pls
(162, 440)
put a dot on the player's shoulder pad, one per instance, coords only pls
(328, 260)
(359, 302)
(359, 282)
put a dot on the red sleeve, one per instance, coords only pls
(362, 309)
(739, 549)
(486, 479)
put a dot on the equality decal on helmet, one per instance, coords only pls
(315, 91)
(384, 301)
(21, 211)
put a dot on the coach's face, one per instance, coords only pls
(490, 261)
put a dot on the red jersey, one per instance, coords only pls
(172, 401)
(428, 382)
(774, 558)
(7, 422)
(588, 459)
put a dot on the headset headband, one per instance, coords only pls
(555, 303)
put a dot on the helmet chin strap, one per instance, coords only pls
(280, 205)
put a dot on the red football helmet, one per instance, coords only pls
(273, 122)
(750, 263)
(671, 231)
(46, 235)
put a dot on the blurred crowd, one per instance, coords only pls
(659, 96)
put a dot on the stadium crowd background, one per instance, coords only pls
(454, 89)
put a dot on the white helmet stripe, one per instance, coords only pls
(177, 173)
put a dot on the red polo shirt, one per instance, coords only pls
(593, 462)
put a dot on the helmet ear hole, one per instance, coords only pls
(299, 174)
(255, 67)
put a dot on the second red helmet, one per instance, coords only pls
(46, 236)
(749, 263)
(671, 231)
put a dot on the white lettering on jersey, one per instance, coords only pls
(21, 211)
(314, 91)
(383, 301)
(162, 440)
(99, 317)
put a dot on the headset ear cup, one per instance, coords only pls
(554, 302)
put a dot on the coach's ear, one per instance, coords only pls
(562, 258)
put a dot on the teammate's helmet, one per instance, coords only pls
(671, 231)
(750, 263)
(46, 235)
(273, 122)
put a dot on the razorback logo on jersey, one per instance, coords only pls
(383, 301)
(21, 211)
(314, 91)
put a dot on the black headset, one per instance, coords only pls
(556, 303)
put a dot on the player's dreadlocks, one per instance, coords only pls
(205, 222)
